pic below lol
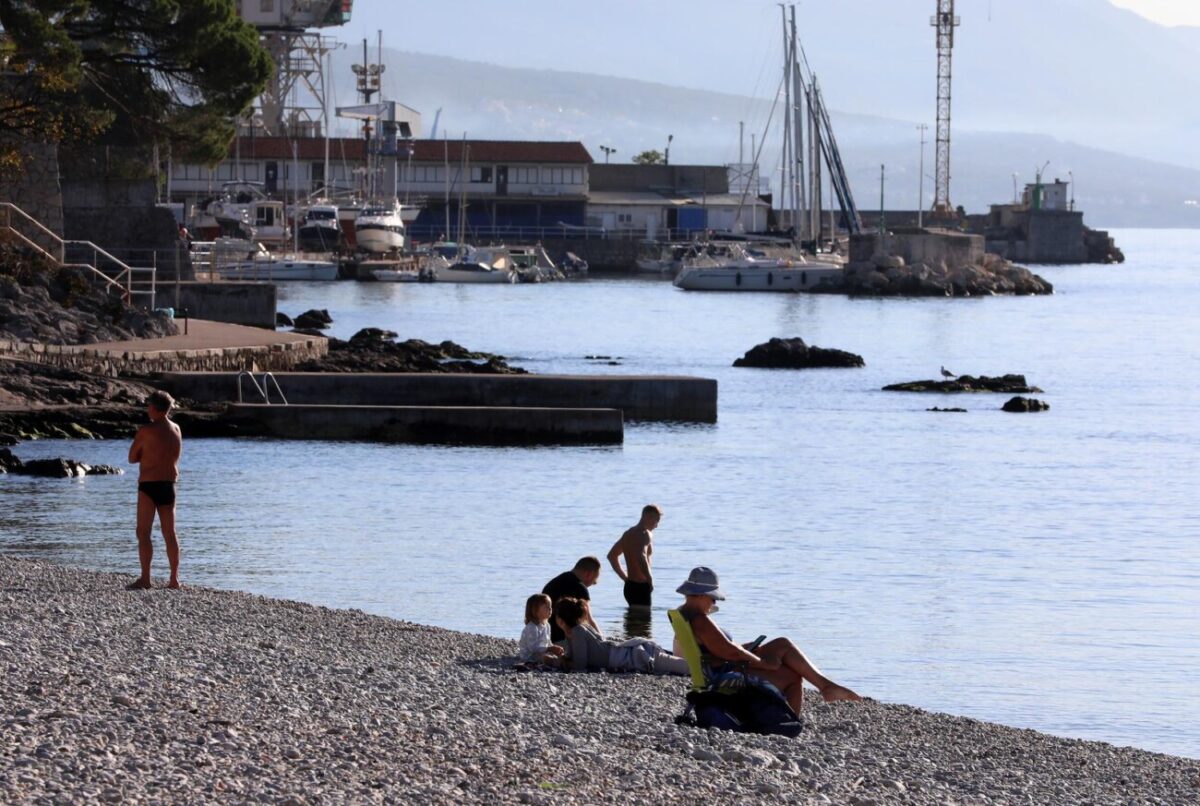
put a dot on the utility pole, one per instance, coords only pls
(882, 209)
(945, 22)
(667, 153)
(921, 180)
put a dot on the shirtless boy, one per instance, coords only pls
(156, 448)
(637, 546)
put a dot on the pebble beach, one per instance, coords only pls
(202, 695)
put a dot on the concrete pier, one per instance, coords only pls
(638, 397)
(452, 425)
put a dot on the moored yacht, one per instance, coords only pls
(731, 268)
(320, 230)
(459, 263)
(379, 228)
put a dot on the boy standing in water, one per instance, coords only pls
(637, 546)
(156, 449)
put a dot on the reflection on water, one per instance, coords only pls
(638, 622)
(942, 561)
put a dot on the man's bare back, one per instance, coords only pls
(636, 545)
(157, 448)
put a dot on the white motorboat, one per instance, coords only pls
(662, 258)
(732, 268)
(237, 259)
(243, 210)
(320, 230)
(459, 263)
(396, 275)
(379, 228)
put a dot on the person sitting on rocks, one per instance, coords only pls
(587, 651)
(778, 661)
(536, 648)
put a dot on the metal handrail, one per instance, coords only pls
(263, 390)
(125, 271)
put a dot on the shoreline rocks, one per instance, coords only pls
(314, 319)
(40, 302)
(374, 350)
(1013, 384)
(795, 354)
(890, 276)
(1024, 404)
(249, 699)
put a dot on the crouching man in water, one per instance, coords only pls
(779, 661)
(156, 449)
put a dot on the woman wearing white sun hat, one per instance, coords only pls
(778, 661)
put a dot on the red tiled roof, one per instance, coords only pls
(481, 151)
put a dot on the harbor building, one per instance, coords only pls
(1043, 227)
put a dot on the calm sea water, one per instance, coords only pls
(1036, 570)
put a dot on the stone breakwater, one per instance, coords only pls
(210, 696)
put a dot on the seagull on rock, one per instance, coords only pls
(947, 373)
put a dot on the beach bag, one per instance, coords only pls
(743, 703)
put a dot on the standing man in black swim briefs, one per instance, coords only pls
(637, 545)
(156, 448)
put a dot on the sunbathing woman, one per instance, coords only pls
(587, 651)
(778, 661)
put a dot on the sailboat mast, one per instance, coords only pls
(786, 187)
(799, 196)
(446, 169)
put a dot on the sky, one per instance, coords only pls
(718, 45)
(1165, 12)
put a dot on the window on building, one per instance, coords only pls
(428, 173)
(576, 176)
(481, 173)
(625, 219)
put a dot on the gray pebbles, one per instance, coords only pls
(159, 696)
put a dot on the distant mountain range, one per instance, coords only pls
(491, 102)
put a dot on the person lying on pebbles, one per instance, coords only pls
(587, 651)
(778, 661)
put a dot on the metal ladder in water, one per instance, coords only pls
(263, 389)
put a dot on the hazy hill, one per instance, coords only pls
(487, 101)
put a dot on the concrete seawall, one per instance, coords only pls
(638, 397)
(493, 425)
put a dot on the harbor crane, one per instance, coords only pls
(298, 52)
(945, 21)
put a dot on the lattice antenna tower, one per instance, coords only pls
(945, 21)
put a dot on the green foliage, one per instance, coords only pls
(173, 72)
(652, 157)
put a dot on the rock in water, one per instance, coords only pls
(283, 320)
(318, 319)
(795, 354)
(1022, 404)
(1013, 384)
(54, 468)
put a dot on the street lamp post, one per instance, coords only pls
(1015, 199)
(921, 180)
(607, 152)
(1071, 176)
(667, 154)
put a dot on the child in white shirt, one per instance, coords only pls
(535, 638)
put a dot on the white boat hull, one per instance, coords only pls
(467, 273)
(282, 269)
(757, 278)
(379, 241)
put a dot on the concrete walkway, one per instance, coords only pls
(204, 335)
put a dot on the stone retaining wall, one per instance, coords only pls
(272, 358)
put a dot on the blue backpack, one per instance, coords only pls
(743, 703)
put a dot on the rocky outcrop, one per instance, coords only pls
(1023, 404)
(795, 354)
(890, 276)
(315, 319)
(42, 303)
(52, 468)
(375, 350)
(947, 411)
(283, 320)
(1014, 384)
